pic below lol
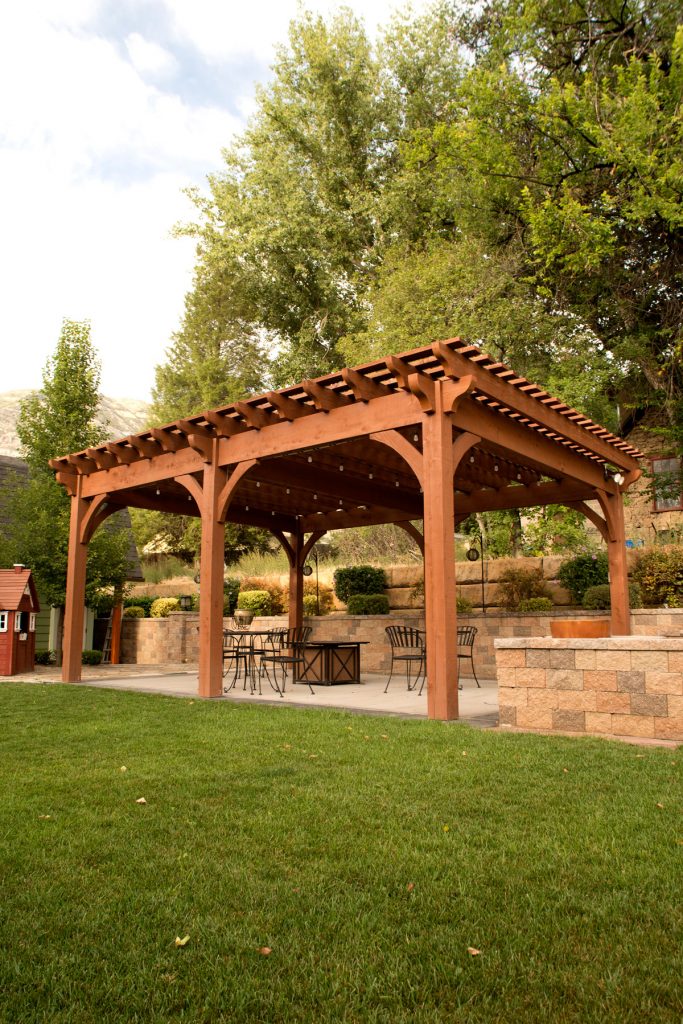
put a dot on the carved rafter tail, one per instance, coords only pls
(324, 399)
(288, 408)
(364, 388)
(169, 441)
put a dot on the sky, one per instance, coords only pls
(111, 108)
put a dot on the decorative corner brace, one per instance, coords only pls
(457, 392)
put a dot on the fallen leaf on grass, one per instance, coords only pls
(123, 768)
(661, 806)
(44, 817)
(447, 828)
(410, 886)
(565, 770)
(312, 756)
(464, 753)
(286, 746)
(384, 736)
(473, 952)
(141, 800)
(169, 977)
(182, 942)
(265, 951)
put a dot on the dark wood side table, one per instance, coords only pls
(330, 662)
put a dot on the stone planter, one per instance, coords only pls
(579, 628)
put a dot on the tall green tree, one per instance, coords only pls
(54, 421)
(510, 172)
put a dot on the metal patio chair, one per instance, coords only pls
(408, 648)
(289, 655)
(466, 635)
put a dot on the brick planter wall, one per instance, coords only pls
(619, 686)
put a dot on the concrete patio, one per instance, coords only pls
(478, 706)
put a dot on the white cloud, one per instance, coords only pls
(94, 158)
(147, 57)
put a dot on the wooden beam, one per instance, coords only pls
(288, 408)
(124, 454)
(324, 399)
(456, 366)
(225, 426)
(523, 497)
(254, 416)
(364, 388)
(146, 446)
(337, 485)
(169, 441)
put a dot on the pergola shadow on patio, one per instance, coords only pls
(434, 434)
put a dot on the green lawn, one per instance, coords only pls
(367, 853)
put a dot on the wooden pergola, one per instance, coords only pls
(434, 434)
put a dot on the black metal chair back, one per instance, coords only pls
(466, 635)
(408, 647)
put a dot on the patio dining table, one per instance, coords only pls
(244, 651)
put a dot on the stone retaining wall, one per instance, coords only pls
(619, 686)
(176, 638)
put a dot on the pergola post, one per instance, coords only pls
(613, 508)
(296, 581)
(74, 611)
(439, 546)
(211, 585)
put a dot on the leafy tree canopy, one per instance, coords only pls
(510, 172)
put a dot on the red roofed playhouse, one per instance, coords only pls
(433, 434)
(18, 608)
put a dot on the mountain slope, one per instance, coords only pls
(121, 416)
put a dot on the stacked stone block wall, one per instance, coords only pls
(619, 686)
(176, 638)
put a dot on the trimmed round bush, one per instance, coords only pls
(584, 571)
(163, 606)
(140, 601)
(278, 594)
(91, 657)
(358, 579)
(134, 611)
(536, 604)
(256, 601)
(368, 604)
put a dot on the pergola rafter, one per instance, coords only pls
(432, 434)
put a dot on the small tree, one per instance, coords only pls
(54, 421)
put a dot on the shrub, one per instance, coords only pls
(310, 605)
(535, 604)
(91, 657)
(517, 585)
(463, 606)
(163, 606)
(231, 588)
(134, 611)
(45, 658)
(141, 601)
(597, 598)
(368, 604)
(326, 595)
(358, 579)
(659, 572)
(584, 571)
(276, 592)
(256, 601)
